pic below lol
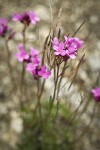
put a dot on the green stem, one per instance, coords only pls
(9, 64)
(54, 94)
(23, 71)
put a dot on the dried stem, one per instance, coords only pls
(76, 72)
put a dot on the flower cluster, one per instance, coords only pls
(32, 59)
(96, 94)
(67, 48)
(26, 18)
(33, 62)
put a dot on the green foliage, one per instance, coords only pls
(53, 133)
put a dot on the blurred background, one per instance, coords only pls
(74, 12)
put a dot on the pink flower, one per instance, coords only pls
(96, 94)
(27, 17)
(36, 60)
(74, 41)
(3, 27)
(33, 63)
(34, 56)
(43, 72)
(59, 49)
(55, 41)
(3, 21)
(22, 55)
(33, 52)
(33, 17)
(67, 48)
(71, 51)
(31, 67)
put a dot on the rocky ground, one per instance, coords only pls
(74, 12)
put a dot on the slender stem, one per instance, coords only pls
(54, 93)
(38, 105)
(75, 113)
(21, 84)
(54, 64)
(24, 35)
(61, 77)
(23, 70)
(58, 89)
(57, 111)
(86, 130)
(42, 88)
(39, 102)
(9, 64)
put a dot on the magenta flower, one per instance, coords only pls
(3, 21)
(59, 49)
(55, 41)
(27, 17)
(36, 60)
(35, 73)
(31, 67)
(79, 43)
(33, 52)
(43, 72)
(73, 41)
(3, 27)
(71, 51)
(67, 48)
(72, 46)
(96, 94)
(22, 55)
(33, 63)
(34, 56)
(33, 17)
